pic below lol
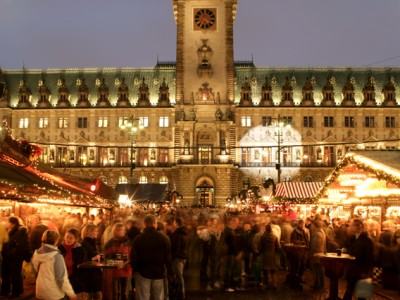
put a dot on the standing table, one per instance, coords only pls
(106, 266)
(334, 265)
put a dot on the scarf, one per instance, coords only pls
(68, 257)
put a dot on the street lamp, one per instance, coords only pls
(132, 125)
(279, 126)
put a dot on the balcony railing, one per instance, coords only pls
(78, 164)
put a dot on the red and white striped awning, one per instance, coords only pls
(296, 190)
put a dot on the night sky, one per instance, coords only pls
(133, 33)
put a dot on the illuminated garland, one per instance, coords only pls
(390, 175)
(310, 200)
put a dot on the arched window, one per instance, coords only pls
(164, 180)
(143, 179)
(122, 180)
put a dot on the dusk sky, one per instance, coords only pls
(132, 33)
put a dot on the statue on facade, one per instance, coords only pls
(218, 115)
(193, 114)
(181, 115)
(228, 114)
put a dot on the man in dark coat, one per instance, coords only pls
(179, 255)
(151, 256)
(361, 247)
(14, 252)
(232, 255)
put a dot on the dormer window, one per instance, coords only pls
(328, 96)
(348, 96)
(287, 96)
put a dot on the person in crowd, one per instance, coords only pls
(35, 235)
(74, 254)
(246, 248)
(205, 239)
(268, 247)
(300, 236)
(341, 235)
(232, 257)
(331, 244)
(3, 239)
(318, 246)
(133, 229)
(14, 251)
(396, 250)
(52, 276)
(276, 229)
(119, 246)
(217, 250)
(387, 243)
(286, 231)
(179, 255)
(108, 232)
(101, 226)
(92, 278)
(361, 247)
(151, 256)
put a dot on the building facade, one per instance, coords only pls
(212, 126)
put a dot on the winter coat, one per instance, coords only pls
(151, 254)
(78, 257)
(268, 247)
(52, 279)
(17, 247)
(119, 246)
(318, 244)
(178, 243)
(91, 277)
(363, 249)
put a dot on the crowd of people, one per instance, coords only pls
(235, 248)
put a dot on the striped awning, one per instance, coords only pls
(296, 190)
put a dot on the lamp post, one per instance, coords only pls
(132, 125)
(279, 133)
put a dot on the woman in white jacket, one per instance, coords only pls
(52, 280)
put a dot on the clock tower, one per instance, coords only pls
(204, 57)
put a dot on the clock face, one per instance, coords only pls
(205, 18)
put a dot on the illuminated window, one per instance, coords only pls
(122, 180)
(144, 121)
(246, 121)
(62, 122)
(163, 179)
(23, 123)
(103, 122)
(164, 122)
(143, 179)
(43, 122)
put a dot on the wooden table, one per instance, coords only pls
(107, 266)
(294, 253)
(334, 265)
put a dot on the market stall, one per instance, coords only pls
(364, 184)
(297, 199)
(29, 188)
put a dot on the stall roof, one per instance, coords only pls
(23, 178)
(297, 190)
(384, 164)
(151, 192)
